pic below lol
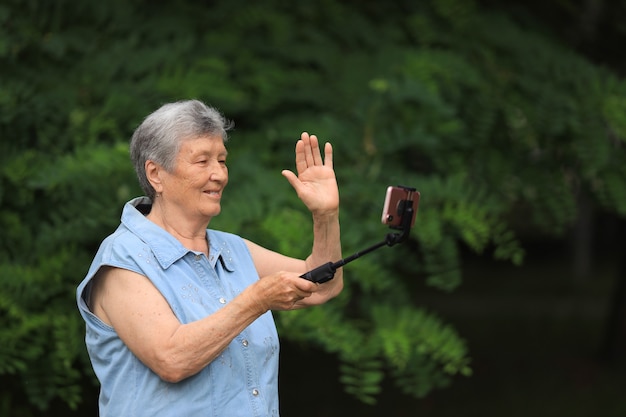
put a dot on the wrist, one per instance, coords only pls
(325, 215)
(255, 301)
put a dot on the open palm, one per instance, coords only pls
(315, 183)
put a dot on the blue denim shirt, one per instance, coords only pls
(241, 381)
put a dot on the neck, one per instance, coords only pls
(192, 234)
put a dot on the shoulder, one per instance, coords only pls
(219, 234)
(121, 245)
(218, 238)
(121, 249)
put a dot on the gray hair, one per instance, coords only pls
(159, 136)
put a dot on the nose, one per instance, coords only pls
(219, 173)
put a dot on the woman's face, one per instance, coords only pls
(195, 186)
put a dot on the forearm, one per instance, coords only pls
(326, 248)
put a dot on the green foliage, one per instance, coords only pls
(499, 128)
(41, 342)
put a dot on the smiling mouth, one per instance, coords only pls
(213, 193)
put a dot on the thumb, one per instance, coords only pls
(292, 178)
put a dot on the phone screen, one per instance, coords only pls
(396, 200)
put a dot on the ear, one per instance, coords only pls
(153, 173)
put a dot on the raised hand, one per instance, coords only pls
(315, 183)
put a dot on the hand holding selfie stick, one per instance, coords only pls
(405, 207)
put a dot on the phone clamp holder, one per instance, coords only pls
(326, 272)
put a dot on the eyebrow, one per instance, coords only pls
(198, 152)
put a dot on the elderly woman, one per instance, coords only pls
(178, 316)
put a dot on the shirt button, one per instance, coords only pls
(255, 392)
(245, 343)
(222, 300)
(198, 257)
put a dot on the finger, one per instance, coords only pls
(328, 155)
(308, 153)
(302, 296)
(315, 150)
(301, 162)
(292, 178)
(306, 287)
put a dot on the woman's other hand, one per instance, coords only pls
(281, 291)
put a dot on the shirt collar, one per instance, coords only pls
(165, 247)
(220, 250)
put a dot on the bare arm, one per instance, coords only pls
(316, 185)
(268, 262)
(140, 315)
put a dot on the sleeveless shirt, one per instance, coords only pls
(241, 381)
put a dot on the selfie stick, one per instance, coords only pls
(327, 271)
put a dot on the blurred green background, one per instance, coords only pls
(509, 299)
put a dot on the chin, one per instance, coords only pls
(212, 212)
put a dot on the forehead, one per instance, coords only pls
(202, 144)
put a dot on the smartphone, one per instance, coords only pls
(397, 199)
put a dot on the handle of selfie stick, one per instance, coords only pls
(321, 274)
